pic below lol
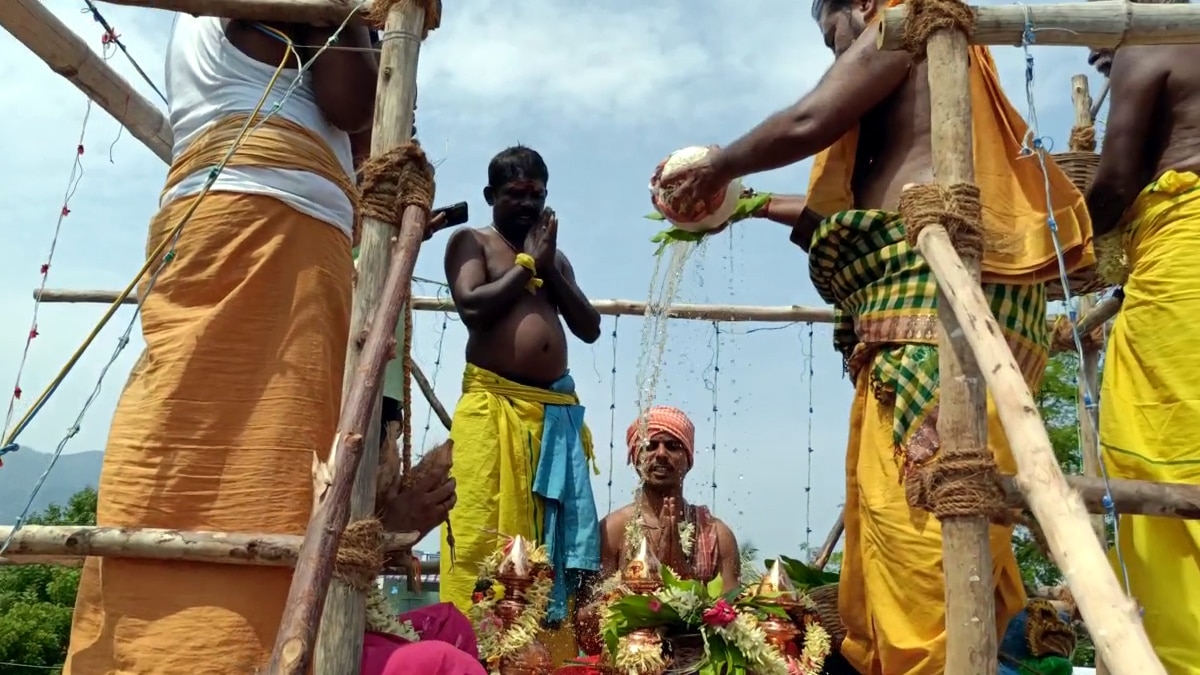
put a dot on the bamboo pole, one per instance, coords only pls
(971, 643)
(1093, 24)
(66, 54)
(685, 311)
(315, 12)
(42, 544)
(1112, 618)
(756, 313)
(831, 541)
(231, 548)
(431, 396)
(339, 644)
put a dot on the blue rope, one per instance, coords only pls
(1035, 145)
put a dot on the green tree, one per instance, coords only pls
(1058, 404)
(37, 601)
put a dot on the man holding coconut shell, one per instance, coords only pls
(867, 122)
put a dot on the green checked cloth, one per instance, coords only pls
(885, 316)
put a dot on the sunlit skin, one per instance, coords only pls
(1153, 126)
(512, 332)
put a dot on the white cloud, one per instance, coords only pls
(604, 91)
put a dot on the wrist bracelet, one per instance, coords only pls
(525, 260)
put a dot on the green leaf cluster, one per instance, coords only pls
(746, 207)
(37, 601)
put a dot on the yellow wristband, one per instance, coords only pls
(525, 260)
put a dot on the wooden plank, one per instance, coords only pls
(316, 12)
(1076, 24)
(67, 54)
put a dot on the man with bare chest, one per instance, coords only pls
(868, 124)
(522, 450)
(1145, 202)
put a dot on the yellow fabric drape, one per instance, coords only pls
(1150, 409)
(240, 381)
(1013, 189)
(497, 434)
(891, 595)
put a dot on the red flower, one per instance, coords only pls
(720, 614)
(655, 605)
(477, 597)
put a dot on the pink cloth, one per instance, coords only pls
(662, 419)
(447, 646)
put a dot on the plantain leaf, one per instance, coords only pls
(746, 207)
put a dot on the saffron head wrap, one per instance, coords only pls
(663, 419)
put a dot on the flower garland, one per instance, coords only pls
(380, 620)
(728, 624)
(635, 530)
(495, 641)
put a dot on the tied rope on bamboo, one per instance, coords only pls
(389, 183)
(960, 482)
(360, 554)
(433, 13)
(926, 17)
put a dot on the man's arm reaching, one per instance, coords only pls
(856, 83)
(792, 211)
(1136, 82)
(576, 309)
(479, 302)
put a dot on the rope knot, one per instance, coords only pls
(433, 13)
(926, 17)
(1083, 139)
(959, 485)
(954, 207)
(360, 554)
(398, 178)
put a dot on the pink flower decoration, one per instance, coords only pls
(655, 605)
(720, 614)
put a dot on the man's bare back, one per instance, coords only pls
(894, 145)
(1153, 126)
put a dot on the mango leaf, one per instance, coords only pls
(804, 576)
(715, 587)
(746, 207)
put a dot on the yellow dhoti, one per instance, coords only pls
(1150, 409)
(497, 433)
(240, 382)
(891, 595)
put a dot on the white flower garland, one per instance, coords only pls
(495, 642)
(380, 620)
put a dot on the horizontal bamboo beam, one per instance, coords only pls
(68, 55)
(757, 313)
(1130, 497)
(52, 543)
(765, 314)
(428, 567)
(1094, 24)
(293, 11)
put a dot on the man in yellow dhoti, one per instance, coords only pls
(521, 449)
(868, 119)
(246, 331)
(1147, 195)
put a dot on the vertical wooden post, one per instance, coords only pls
(971, 645)
(339, 644)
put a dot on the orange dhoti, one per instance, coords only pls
(246, 331)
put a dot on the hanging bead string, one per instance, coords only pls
(612, 413)
(437, 366)
(715, 412)
(808, 359)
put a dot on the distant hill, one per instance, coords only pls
(20, 473)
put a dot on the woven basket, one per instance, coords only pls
(1080, 167)
(826, 600)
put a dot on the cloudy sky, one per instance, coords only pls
(604, 94)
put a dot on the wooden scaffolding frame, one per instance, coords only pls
(972, 351)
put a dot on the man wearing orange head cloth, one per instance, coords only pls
(868, 124)
(685, 537)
